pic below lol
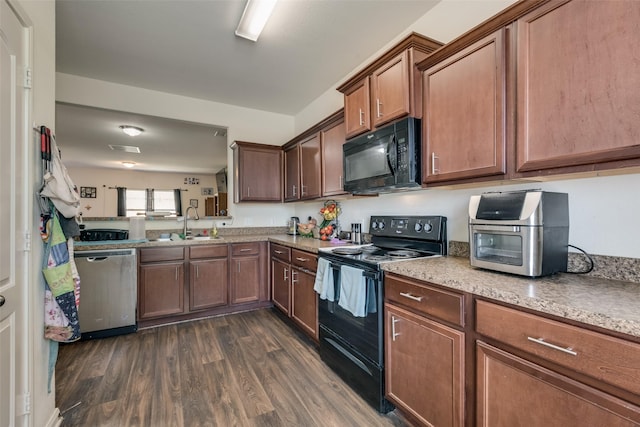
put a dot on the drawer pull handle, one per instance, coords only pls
(541, 341)
(413, 297)
(302, 259)
(245, 250)
(279, 252)
(393, 328)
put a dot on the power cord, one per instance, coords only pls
(588, 257)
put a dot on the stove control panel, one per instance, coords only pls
(416, 227)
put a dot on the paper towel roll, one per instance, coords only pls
(137, 228)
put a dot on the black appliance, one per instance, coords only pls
(101, 234)
(353, 346)
(385, 160)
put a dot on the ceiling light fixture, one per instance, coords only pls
(254, 18)
(131, 130)
(128, 164)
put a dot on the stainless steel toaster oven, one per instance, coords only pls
(519, 232)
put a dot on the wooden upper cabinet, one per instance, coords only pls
(464, 117)
(577, 84)
(257, 172)
(310, 167)
(388, 88)
(332, 139)
(292, 173)
(357, 109)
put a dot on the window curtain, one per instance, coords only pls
(149, 198)
(177, 196)
(122, 201)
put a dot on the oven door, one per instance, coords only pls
(511, 249)
(364, 334)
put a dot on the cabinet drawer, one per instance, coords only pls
(280, 252)
(214, 251)
(304, 259)
(439, 303)
(161, 254)
(608, 359)
(242, 249)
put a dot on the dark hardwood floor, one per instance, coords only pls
(247, 369)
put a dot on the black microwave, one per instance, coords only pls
(385, 160)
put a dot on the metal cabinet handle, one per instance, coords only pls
(238, 266)
(410, 296)
(293, 277)
(361, 115)
(541, 341)
(2, 300)
(434, 171)
(245, 250)
(248, 191)
(302, 259)
(285, 278)
(378, 109)
(341, 185)
(394, 334)
(197, 271)
(294, 190)
(278, 252)
(176, 274)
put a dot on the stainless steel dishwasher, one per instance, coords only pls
(108, 292)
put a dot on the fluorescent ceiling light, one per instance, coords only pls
(128, 164)
(131, 130)
(254, 18)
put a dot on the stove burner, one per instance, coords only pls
(403, 254)
(376, 258)
(347, 251)
(370, 249)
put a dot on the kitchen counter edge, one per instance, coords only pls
(604, 303)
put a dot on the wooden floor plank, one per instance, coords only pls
(246, 369)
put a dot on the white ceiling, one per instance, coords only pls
(189, 48)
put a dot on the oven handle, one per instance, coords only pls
(350, 356)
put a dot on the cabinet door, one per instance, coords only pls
(390, 90)
(424, 368)
(258, 172)
(332, 140)
(281, 285)
(577, 84)
(465, 113)
(304, 301)
(208, 283)
(245, 279)
(161, 290)
(515, 392)
(357, 109)
(292, 173)
(310, 168)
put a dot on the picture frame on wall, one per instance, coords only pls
(207, 191)
(88, 192)
(193, 203)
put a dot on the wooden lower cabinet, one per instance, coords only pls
(161, 289)
(304, 301)
(208, 277)
(248, 273)
(281, 285)
(512, 391)
(424, 368)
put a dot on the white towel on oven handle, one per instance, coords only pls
(353, 291)
(323, 284)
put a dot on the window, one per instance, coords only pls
(139, 202)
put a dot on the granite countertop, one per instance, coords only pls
(606, 303)
(303, 243)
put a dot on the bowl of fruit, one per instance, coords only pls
(329, 212)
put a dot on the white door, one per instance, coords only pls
(13, 223)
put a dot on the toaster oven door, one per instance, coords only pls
(512, 249)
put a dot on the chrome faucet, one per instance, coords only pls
(187, 232)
